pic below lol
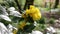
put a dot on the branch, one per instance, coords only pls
(19, 6)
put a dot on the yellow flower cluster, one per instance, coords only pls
(33, 12)
(21, 25)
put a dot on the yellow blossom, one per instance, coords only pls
(33, 12)
(27, 12)
(37, 10)
(36, 16)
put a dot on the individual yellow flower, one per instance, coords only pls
(21, 25)
(36, 16)
(27, 11)
(32, 10)
(37, 10)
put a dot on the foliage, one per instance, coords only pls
(5, 22)
(58, 6)
(42, 20)
(51, 21)
(25, 23)
(58, 13)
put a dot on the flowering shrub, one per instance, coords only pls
(24, 22)
(29, 16)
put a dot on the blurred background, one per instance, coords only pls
(50, 11)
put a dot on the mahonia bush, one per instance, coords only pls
(29, 16)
